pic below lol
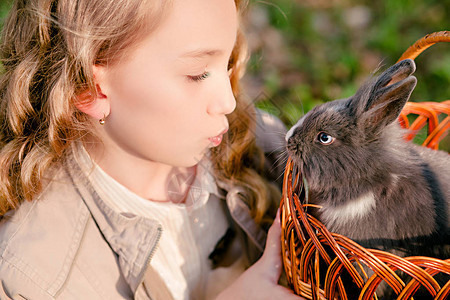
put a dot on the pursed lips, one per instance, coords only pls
(216, 140)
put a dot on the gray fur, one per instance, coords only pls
(369, 157)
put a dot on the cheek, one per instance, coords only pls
(157, 122)
(154, 101)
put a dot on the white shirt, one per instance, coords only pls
(191, 230)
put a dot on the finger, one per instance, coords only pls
(272, 253)
(287, 294)
(273, 242)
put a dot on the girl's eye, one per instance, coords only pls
(200, 77)
(325, 139)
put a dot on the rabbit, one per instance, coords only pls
(372, 185)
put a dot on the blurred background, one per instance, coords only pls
(306, 52)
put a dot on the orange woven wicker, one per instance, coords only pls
(428, 113)
(306, 243)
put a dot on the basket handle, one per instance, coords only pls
(422, 44)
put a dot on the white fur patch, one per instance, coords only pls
(354, 209)
(291, 131)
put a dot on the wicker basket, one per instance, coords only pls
(307, 245)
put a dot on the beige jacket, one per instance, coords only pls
(69, 245)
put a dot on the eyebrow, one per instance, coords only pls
(201, 53)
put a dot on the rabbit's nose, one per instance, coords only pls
(292, 146)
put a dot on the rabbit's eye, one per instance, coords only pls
(325, 139)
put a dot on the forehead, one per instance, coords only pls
(190, 25)
(330, 113)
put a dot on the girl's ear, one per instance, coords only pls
(96, 106)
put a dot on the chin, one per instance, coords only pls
(190, 162)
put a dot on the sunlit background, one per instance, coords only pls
(306, 52)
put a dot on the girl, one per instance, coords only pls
(119, 120)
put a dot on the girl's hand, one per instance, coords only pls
(260, 280)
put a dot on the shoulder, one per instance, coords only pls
(40, 239)
(270, 135)
(270, 132)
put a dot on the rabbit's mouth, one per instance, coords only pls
(299, 164)
(296, 156)
(293, 148)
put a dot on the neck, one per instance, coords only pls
(151, 180)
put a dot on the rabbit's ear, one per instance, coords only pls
(389, 95)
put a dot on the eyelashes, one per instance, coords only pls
(206, 74)
(198, 78)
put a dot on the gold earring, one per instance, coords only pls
(102, 120)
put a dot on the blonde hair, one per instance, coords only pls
(48, 50)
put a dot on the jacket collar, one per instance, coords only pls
(132, 238)
(135, 238)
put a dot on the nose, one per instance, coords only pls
(292, 147)
(222, 98)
